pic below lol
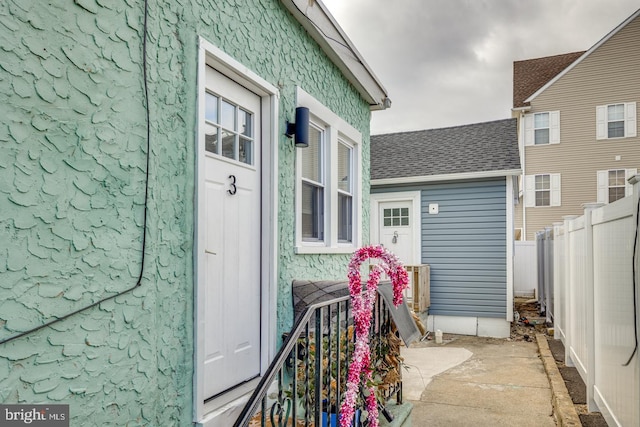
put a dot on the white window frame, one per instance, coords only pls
(602, 177)
(554, 190)
(554, 128)
(630, 121)
(335, 129)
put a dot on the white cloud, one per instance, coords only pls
(450, 62)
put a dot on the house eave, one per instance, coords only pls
(323, 28)
(445, 177)
(584, 55)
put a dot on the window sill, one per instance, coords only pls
(347, 249)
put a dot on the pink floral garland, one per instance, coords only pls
(360, 368)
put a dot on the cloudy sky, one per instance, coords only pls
(450, 62)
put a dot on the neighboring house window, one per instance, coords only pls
(613, 184)
(312, 172)
(542, 128)
(616, 121)
(328, 183)
(542, 190)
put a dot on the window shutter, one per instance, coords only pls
(555, 189)
(628, 187)
(630, 119)
(601, 122)
(603, 186)
(529, 191)
(554, 127)
(528, 129)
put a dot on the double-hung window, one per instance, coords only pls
(616, 121)
(345, 192)
(328, 183)
(542, 190)
(613, 184)
(542, 128)
(313, 185)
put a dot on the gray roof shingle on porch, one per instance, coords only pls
(480, 147)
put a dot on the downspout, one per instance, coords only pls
(522, 180)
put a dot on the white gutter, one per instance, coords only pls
(323, 28)
(445, 177)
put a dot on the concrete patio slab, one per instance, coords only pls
(475, 381)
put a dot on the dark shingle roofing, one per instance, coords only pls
(531, 74)
(481, 147)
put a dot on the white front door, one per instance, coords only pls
(395, 228)
(231, 192)
(396, 231)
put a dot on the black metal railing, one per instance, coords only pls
(305, 383)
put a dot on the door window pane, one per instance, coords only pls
(395, 217)
(245, 126)
(211, 139)
(246, 151)
(228, 144)
(211, 108)
(228, 115)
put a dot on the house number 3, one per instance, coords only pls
(233, 189)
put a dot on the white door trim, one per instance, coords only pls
(208, 54)
(412, 196)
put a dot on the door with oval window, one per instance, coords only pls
(231, 192)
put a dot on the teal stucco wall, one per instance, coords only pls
(72, 181)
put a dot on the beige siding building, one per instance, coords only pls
(578, 128)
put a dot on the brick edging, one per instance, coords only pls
(565, 411)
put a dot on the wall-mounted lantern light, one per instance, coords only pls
(300, 128)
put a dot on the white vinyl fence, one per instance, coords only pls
(525, 272)
(596, 303)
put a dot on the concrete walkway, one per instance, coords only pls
(473, 381)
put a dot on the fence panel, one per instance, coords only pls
(617, 387)
(579, 310)
(525, 274)
(594, 311)
(559, 282)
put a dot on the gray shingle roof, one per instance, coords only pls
(480, 147)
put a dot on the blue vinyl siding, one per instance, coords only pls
(465, 245)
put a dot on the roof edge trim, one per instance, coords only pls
(445, 177)
(324, 29)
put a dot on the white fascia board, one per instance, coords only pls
(584, 55)
(445, 177)
(323, 28)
